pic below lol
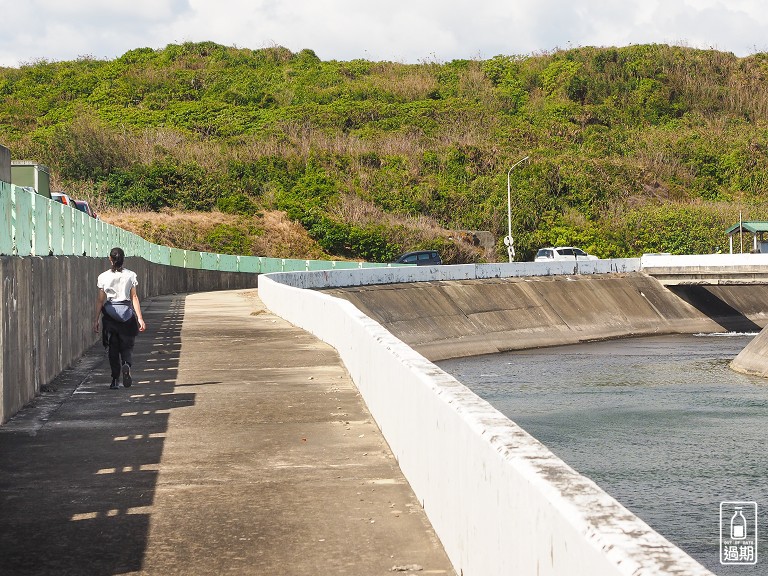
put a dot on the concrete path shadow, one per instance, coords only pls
(243, 447)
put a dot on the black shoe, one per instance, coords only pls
(113, 386)
(127, 380)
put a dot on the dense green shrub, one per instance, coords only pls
(228, 239)
(675, 229)
(162, 184)
(237, 203)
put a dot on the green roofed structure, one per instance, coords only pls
(757, 228)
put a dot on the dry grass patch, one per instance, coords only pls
(413, 232)
(283, 238)
(268, 234)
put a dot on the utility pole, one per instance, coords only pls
(509, 242)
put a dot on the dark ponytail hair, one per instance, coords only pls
(117, 256)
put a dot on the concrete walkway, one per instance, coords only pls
(242, 448)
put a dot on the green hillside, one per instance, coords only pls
(644, 148)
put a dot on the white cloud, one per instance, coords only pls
(400, 30)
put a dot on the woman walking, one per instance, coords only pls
(120, 311)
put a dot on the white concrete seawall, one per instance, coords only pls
(499, 500)
(402, 274)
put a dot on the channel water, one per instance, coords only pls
(660, 423)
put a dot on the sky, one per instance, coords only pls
(408, 31)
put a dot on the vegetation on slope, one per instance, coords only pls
(643, 148)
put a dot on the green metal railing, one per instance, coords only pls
(33, 225)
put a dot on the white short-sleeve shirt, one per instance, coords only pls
(117, 285)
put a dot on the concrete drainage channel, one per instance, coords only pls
(499, 500)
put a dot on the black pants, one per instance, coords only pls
(118, 338)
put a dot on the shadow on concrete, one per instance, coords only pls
(701, 298)
(77, 481)
(199, 383)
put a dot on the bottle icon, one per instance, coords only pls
(738, 525)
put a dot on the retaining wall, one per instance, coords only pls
(500, 502)
(451, 319)
(47, 309)
(404, 274)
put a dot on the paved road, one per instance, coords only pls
(242, 448)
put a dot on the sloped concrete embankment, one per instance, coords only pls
(500, 502)
(754, 358)
(448, 319)
(47, 309)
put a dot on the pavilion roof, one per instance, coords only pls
(751, 226)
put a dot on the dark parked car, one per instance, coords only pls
(83, 206)
(420, 258)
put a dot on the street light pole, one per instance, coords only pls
(509, 241)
